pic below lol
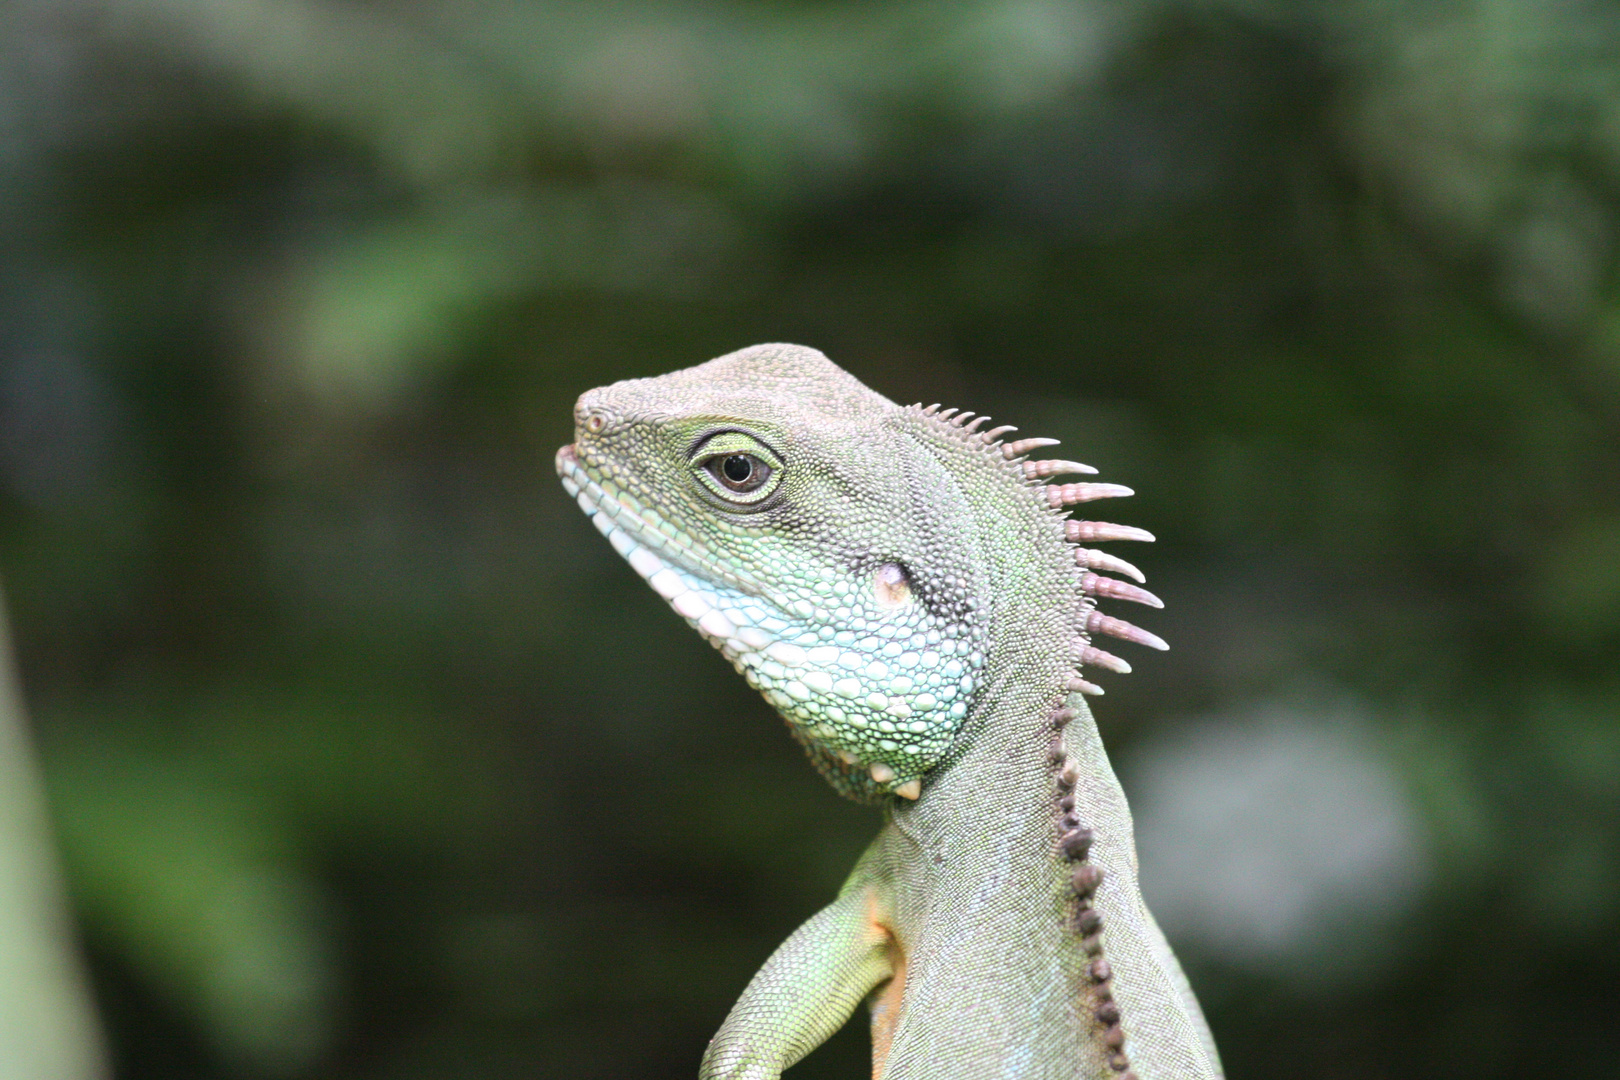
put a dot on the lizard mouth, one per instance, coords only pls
(676, 565)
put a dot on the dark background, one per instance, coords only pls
(368, 759)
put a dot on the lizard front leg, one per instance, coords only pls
(808, 988)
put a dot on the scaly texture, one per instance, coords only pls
(906, 591)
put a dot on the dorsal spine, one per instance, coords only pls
(1074, 841)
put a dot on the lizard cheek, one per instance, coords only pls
(890, 587)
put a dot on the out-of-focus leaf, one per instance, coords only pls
(189, 876)
(369, 321)
(1579, 587)
(432, 112)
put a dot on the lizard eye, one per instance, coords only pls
(737, 467)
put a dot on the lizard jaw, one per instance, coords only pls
(889, 717)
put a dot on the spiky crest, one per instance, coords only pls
(1020, 447)
(1088, 585)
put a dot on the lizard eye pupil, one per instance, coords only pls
(738, 476)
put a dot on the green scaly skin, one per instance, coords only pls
(907, 593)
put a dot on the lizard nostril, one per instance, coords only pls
(590, 415)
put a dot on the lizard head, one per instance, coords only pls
(772, 500)
(824, 539)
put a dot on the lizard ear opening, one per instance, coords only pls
(891, 586)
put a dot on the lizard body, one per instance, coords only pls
(907, 592)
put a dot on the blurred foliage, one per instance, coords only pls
(369, 759)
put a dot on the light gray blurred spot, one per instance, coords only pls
(1279, 838)
(48, 1030)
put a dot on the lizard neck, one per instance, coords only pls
(1005, 744)
(1025, 815)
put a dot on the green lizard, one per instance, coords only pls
(905, 589)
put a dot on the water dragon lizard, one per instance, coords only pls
(906, 590)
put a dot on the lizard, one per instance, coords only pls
(906, 589)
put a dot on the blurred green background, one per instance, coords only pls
(368, 759)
